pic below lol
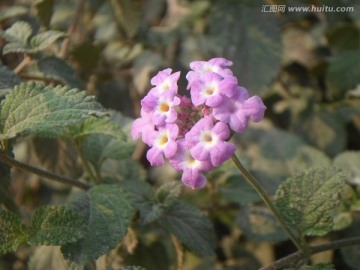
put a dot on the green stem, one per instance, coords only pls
(25, 167)
(254, 183)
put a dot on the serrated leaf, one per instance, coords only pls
(258, 223)
(43, 40)
(107, 211)
(42, 110)
(56, 225)
(12, 11)
(143, 199)
(58, 69)
(18, 33)
(168, 192)
(12, 232)
(190, 226)
(307, 201)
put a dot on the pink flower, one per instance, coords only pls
(192, 169)
(164, 81)
(142, 126)
(237, 111)
(163, 143)
(206, 141)
(162, 107)
(215, 65)
(212, 88)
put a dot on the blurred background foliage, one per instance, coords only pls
(306, 66)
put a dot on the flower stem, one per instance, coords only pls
(25, 167)
(255, 184)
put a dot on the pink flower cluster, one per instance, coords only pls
(193, 133)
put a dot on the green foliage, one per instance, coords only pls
(307, 200)
(310, 85)
(18, 38)
(58, 69)
(259, 223)
(191, 227)
(8, 79)
(36, 109)
(320, 266)
(13, 11)
(56, 225)
(107, 212)
(12, 232)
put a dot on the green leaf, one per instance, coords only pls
(349, 162)
(344, 37)
(273, 155)
(190, 226)
(17, 36)
(258, 223)
(12, 11)
(98, 148)
(8, 79)
(168, 193)
(39, 110)
(96, 126)
(107, 211)
(143, 199)
(44, 11)
(58, 69)
(12, 232)
(237, 190)
(320, 266)
(343, 74)
(307, 201)
(56, 225)
(325, 129)
(43, 40)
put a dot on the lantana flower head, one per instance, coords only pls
(194, 133)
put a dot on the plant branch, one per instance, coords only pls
(299, 255)
(179, 252)
(66, 43)
(25, 167)
(254, 183)
(26, 61)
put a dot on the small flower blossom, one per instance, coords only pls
(238, 110)
(207, 142)
(164, 81)
(192, 169)
(215, 65)
(142, 126)
(162, 107)
(212, 88)
(163, 143)
(193, 134)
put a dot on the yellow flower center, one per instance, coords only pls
(164, 139)
(164, 107)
